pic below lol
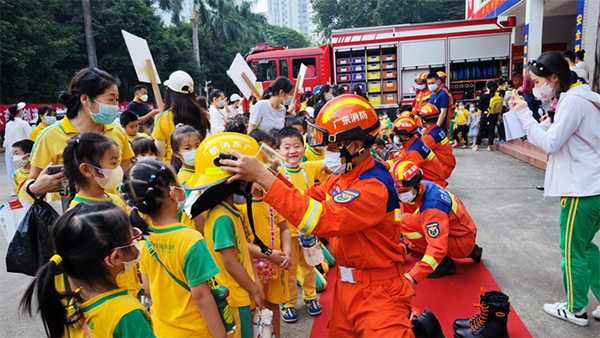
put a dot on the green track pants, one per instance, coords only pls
(579, 222)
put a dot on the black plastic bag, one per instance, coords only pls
(31, 246)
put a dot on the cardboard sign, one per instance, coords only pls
(243, 77)
(139, 52)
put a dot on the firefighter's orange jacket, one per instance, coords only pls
(416, 151)
(421, 99)
(442, 214)
(358, 211)
(437, 140)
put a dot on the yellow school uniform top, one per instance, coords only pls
(163, 128)
(35, 131)
(131, 138)
(184, 175)
(224, 229)
(461, 117)
(111, 198)
(262, 223)
(303, 106)
(184, 253)
(19, 178)
(314, 155)
(128, 280)
(51, 142)
(302, 178)
(114, 314)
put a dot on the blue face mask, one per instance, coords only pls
(287, 101)
(221, 104)
(106, 115)
(189, 157)
(50, 120)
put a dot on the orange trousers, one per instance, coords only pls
(458, 247)
(371, 309)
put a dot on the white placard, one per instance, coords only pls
(513, 127)
(139, 52)
(301, 76)
(237, 68)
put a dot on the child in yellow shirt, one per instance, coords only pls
(21, 152)
(94, 244)
(130, 122)
(144, 149)
(176, 265)
(290, 144)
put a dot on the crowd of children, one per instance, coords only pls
(190, 229)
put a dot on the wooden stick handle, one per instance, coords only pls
(252, 86)
(152, 76)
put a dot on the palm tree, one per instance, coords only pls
(89, 36)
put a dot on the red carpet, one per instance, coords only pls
(449, 298)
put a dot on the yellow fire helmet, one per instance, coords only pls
(211, 151)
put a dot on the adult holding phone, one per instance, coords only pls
(92, 105)
(572, 142)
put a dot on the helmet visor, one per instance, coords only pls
(316, 136)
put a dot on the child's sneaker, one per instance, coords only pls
(596, 313)
(559, 310)
(313, 307)
(288, 314)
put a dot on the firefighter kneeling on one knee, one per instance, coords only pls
(440, 229)
(357, 208)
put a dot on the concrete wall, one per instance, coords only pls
(557, 29)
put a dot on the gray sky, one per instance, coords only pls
(261, 6)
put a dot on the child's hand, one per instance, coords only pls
(280, 259)
(259, 297)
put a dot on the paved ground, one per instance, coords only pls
(518, 229)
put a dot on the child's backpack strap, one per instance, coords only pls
(155, 255)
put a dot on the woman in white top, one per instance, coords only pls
(16, 130)
(570, 138)
(269, 113)
(218, 117)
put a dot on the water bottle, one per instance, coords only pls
(220, 293)
(313, 255)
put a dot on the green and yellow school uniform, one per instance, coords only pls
(184, 253)
(114, 314)
(35, 131)
(276, 292)
(163, 128)
(223, 229)
(183, 176)
(19, 179)
(111, 198)
(131, 138)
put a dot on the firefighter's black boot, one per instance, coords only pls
(476, 253)
(446, 267)
(427, 325)
(464, 323)
(492, 321)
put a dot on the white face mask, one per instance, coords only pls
(130, 264)
(19, 161)
(545, 92)
(144, 98)
(146, 158)
(396, 140)
(189, 157)
(421, 87)
(407, 197)
(333, 161)
(461, 107)
(180, 204)
(433, 87)
(49, 120)
(112, 177)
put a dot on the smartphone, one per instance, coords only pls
(54, 169)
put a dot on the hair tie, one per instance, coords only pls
(152, 176)
(127, 201)
(134, 208)
(180, 125)
(150, 188)
(144, 202)
(56, 259)
(77, 140)
(162, 168)
(79, 289)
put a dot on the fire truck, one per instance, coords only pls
(383, 62)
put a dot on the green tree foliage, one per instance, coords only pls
(284, 36)
(339, 14)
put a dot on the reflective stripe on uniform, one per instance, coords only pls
(412, 235)
(445, 140)
(311, 217)
(431, 261)
(454, 204)
(430, 156)
(398, 215)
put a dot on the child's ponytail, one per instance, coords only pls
(54, 315)
(145, 186)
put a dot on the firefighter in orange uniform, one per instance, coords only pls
(442, 229)
(436, 138)
(372, 297)
(415, 150)
(423, 93)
